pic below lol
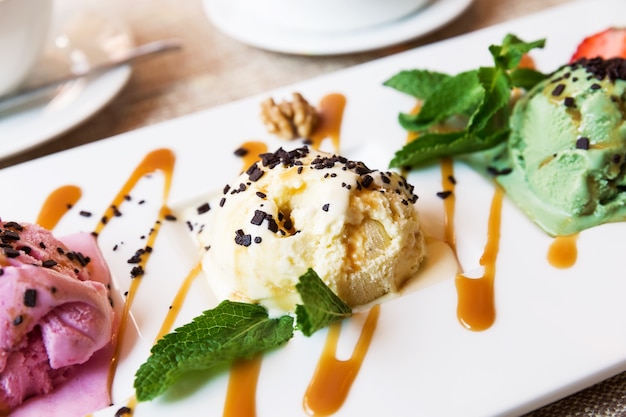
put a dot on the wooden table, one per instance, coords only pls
(213, 69)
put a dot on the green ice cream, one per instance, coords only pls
(565, 161)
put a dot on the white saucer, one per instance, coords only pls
(77, 39)
(249, 29)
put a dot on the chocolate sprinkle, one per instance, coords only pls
(271, 224)
(558, 90)
(204, 208)
(14, 225)
(11, 253)
(582, 143)
(18, 320)
(496, 171)
(367, 181)
(258, 217)
(444, 194)
(241, 152)
(30, 297)
(10, 235)
(325, 207)
(123, 412)
(49, 263)
(569, 102)
(136, 271)
(255, 173)
(242, 239)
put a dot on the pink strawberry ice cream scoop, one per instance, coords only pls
(55, 309)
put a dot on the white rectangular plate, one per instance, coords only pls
(556, 331)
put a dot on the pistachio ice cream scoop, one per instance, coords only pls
(565, 158)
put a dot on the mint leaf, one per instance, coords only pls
(497, 94)
(525, 78)
(230, 331)
(320, 305)
(508, 55)
(453, 96)
(481, 97)
(437, 145)
(234, 330)
(417, 83)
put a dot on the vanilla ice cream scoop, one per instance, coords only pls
(357, 228)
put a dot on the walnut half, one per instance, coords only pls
(289, 119)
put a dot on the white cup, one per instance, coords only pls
(24, 26)
(328, 16)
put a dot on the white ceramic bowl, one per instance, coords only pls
(24, 26)
(327, 16)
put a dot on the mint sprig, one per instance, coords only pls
(478, 98)
(231, 331)
(320, 306)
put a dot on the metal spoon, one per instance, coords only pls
(26, 95)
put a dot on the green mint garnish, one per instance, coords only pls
(231, 331)
(320, 306)
(478, 99)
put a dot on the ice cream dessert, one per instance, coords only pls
(565, 157)
(55, 310)
(293, 210)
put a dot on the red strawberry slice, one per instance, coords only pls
(610, 43)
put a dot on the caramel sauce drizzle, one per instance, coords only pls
(476, 308)
(252, 151)
(242, 383)
(476, 305)
(58, 203)
(157, 160)
(333, 378)
(178, 301)
(448, 183)
(330, 111)
(563, 251)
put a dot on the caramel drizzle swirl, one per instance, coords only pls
(563, 251)
(250, 152)
(333, 378)
(57, 204)
(448, 185)
(242, 383)
(476, 307)
(330, 110)
(158, 160)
